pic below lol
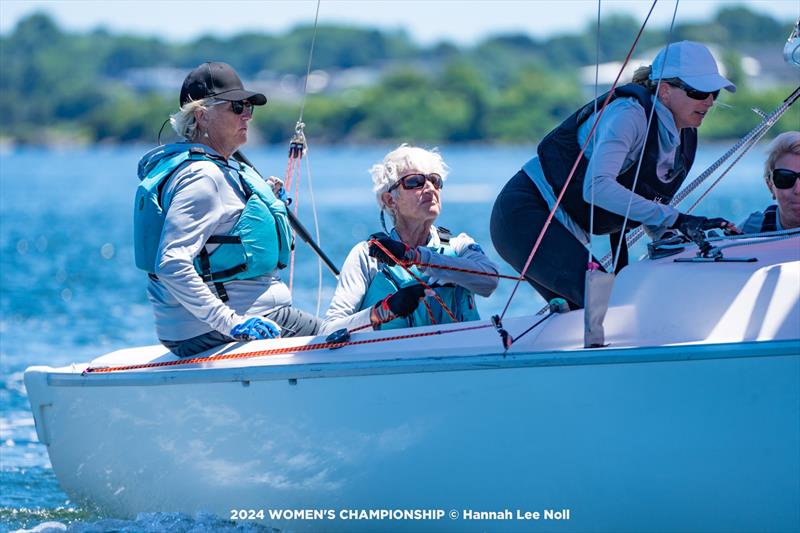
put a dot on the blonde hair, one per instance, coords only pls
(641, 76)
(400, 162)
(184, 122)
(786, 143)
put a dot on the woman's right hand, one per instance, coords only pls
(687, 224)
(402, 303)
(255, 328)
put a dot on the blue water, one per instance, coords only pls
(70, 291)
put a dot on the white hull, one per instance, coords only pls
(700, 434)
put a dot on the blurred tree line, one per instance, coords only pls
(63, 87)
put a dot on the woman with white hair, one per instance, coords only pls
(373, 289)
(782, 176)
(208, 228)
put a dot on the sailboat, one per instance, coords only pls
(687, 419)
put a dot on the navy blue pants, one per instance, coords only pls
(559, 266)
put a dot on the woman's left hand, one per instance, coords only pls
(398, 249)
(277, 187)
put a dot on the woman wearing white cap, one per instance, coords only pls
(690, 83)
(208, 228)
(374, 290)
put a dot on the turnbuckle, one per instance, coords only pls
(298, 146)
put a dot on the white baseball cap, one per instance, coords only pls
(693, 64)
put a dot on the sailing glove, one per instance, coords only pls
(689, 224)
(402, 303)
(255, 328)
(398, 249)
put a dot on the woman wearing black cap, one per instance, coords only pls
(209, 230)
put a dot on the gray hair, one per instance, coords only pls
(184, 122)
(787, 142)
(400, 162)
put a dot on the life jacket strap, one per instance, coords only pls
(207, 276)
(224, 239)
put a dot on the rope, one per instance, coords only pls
(465, 270)
(596, 84)
(577, 161)
(418, 279)
(274, 351)
(316, 231)
(644, 144)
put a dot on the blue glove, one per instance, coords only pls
(255, 328)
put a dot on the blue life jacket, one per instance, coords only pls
(389, 280)
(259, 242)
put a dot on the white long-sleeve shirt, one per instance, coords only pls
(617, 145)
(202, 200)
(360, 269)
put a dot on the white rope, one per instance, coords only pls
(316, 231)
(646, 136)
(591, 143)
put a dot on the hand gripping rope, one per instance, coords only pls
(406, 265)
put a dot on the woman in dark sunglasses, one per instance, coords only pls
(782, 176)
(209, 230)
(374, 290)
(680, 86)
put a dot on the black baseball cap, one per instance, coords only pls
(218, 80)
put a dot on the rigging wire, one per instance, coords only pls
(644, 144)
(298, 148)
(596, 84)
(747, 141)
(577, 161)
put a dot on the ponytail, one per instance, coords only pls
(641, 76)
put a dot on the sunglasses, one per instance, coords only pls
(238, 106)
(784, 178)
(417, 181)
(691, 92)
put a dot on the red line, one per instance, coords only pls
(274, 351)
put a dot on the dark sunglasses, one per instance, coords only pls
(417, 181)
(239, 106)
(784, 178)
(691, 92)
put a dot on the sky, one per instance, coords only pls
(427, 21)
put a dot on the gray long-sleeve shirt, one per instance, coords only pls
(360, 269)
(203, 200)
(617, 145)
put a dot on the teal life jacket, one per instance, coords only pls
(389, 280)
(260, 241)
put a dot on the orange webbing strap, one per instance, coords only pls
(274, 351)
